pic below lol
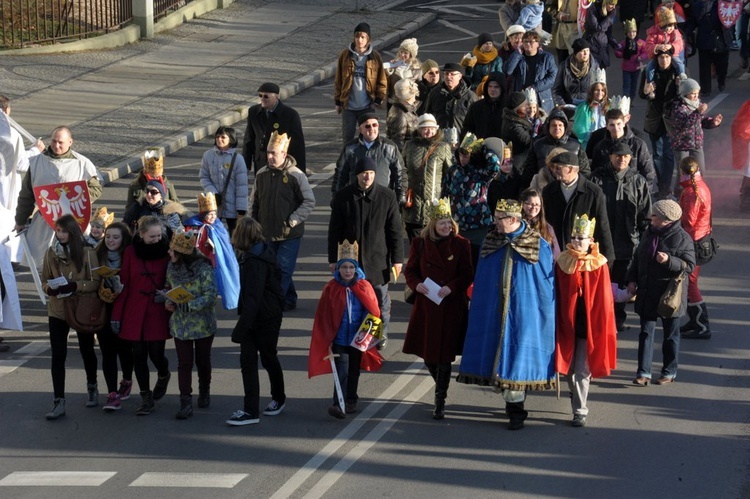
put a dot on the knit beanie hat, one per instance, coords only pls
(158, 185)
(410, 45)
(580, 44)
(514, 30)
(516, 100)
(365, 164)
(688, 86)
(484, 38)
(362, 28)
(427, 120)
(668, 210)
(428, 65)
(405, 89)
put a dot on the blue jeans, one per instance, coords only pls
(349, 127)
(347, 368)
(679, 66)
(630, 83)
(663, 161)
(670, 347)
(286, 257)
(743, 37)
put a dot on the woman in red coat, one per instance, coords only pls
(440, 268)
(695, 202)
(139, 314)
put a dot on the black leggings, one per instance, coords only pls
(144, 350)
(58, 340)
(113, 347)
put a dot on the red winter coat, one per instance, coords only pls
(696, 209)
(436, 332)
(140, 318)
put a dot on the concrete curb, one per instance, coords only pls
(288, 89)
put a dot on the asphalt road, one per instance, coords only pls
(684, 440)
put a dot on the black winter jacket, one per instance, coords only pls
(642, 160)
(450, 107)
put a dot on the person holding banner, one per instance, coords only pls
(347, 301)
(442, 259)
(58, 164)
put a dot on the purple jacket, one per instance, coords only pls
(685, 126)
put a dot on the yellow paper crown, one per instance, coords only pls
(509, 207)
(153, 163)
(101, 217)
(183, 242)
(584, 227)
(279, 140)
(666, 16)
(629, 25)
(207, 202)
(348, 250)
(470, 143)
(440, 209)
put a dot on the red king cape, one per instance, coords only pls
(741, 137)
(594, 283)
(328, 317)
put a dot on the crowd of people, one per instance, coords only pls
(521, 183)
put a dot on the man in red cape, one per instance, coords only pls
(586, 330)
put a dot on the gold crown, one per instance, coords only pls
(153, 163)
(440, 209)
(207, 202)
(510, 207)
(582, 226)
(101, 217)
(630, 25)
(508, 151)
(279, 140)
(183, 242)
(349, 250)
(666, 16)
(471, 143)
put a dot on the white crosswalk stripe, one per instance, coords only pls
(56, 478)
(210, 480)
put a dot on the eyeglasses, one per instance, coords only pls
(153, 192)
(530, 42)
(371, 125)
(264, 96)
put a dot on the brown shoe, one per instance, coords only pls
(664, 380)
(641, 381)
(336, 412)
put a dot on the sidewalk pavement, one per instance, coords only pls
(178, 87)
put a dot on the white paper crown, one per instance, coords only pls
(530, 95)
(621, 102)
(600, 76)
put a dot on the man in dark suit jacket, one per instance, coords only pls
(272, 115)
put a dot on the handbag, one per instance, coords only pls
(705, 249)
(220, 196)
(85, 313)
(671, 299)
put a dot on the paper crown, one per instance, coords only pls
(279, 140)
(349, 250)
(630, 25)
(621, 102)
(509, 207)
(183, 242)
(470, 143)
(530, 95)
(666, 16)
(600, 76)
(508, 151)
(441, 208)
(582, 226)
(101, 217)
(153, 163)
(207, 202)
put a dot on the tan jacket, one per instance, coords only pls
(377, 80)
(55, 266)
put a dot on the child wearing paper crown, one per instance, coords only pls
(632, 51)
(99, 222)
(586, 332)
(346, 300)
(213, 242)
(193, 321)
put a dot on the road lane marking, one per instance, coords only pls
(26, 353)
(206, 480)
(296, 480)
(716, 100)
(56, 478)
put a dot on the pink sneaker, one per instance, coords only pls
(124, 391)
(113, 402)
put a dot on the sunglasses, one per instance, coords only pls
(153, 192)
(373, 125)
(264, 96)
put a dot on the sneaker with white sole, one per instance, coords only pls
(274, 408)
(125, 387)
(241, 418)
(113, 402)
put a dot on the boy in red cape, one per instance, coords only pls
(345, 302)
(586, 330)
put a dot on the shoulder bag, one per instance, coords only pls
(85, 312)
(671, 299)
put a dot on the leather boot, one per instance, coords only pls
(147, 403)
(703, 329)
(432, 369)
(442, 381)
(160, 388)
(692, 324)
(204, 397)
(517, 415)
(186, 408)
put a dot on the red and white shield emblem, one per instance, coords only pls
(56, 200)
(729, 12)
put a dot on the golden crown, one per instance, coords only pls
(666, 16)
(471, 143)
(153, 163)
(183, 242)
(510, 207)
(440, 209)
(584, 227)
(207, 202)
(349, 250)
(279, 140)
(630, 25)
(101, 217)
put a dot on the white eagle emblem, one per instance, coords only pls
(56, 200)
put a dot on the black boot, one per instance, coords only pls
(443, 379)
(517, 415)
(703, 329)
(147, 403)
(693, 309)
(432, 369)
(745, 195)
(160, 388)
(204, 397)
(186, 408)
